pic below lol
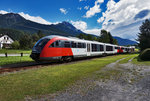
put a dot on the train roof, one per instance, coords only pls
(72, 38)
(82, 40)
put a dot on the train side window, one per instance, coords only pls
(94, 47)
(101, 48)
(79, 45)
(57, 43)
(73, 44)
(84, 45)
(52, 45)
(67, 44)
(116, 47)
(109, 48)
(98, 48)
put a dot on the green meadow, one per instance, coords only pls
(49, 79)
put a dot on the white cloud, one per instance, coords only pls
(79, 8)
(93, 10)
(37, 19)
(83, 27)
(80, 25)
(63, 10)
(81, 0)
(3, 12)
(94, 31)
(86, 7)
(120, 15)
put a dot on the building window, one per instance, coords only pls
(7, 38)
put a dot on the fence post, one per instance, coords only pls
(6, 55)
(21, 54)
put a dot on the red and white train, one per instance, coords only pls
(62, 48)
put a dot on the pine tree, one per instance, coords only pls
(144, 35)
(110, 38)
(104, 37)
(40, 34)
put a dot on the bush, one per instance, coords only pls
(145, 55)
(25, 42)
(15, 45)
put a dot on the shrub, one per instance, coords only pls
(25, 42)
(15, 45)
(145, 55)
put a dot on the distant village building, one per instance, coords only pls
(5, 41)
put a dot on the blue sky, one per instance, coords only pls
(121, 18)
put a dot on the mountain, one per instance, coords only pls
(124, 42)
(67, 27)
(15, 21)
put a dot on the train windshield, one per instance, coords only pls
(41, 42)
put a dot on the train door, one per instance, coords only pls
(88, 49)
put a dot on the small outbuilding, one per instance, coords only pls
(5, 41)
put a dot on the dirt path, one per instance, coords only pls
(115, 82)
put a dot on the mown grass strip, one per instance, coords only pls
(14, 51)
(14, 59)
(35, 82)
(128, 58)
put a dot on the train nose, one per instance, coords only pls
(35, 55)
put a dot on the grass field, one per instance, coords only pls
(14, 59)
(140, 62)
(41, 81)
(128, 58)
(12, 51)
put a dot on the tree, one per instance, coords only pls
(35, 37)
(15, 45)
(110, 38)
(81, 36)
(25, 42)
(115, 41)
(40, 34)
(104, 37)
(144, 35)
(87, 37)
(13, 33)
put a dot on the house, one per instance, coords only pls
(5, 41)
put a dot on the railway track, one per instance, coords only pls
(30, 65)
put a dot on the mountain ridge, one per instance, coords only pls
(17, 22)
(124, 42)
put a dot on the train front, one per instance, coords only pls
(38, 47)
